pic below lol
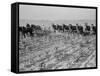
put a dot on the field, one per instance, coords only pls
(57, 51)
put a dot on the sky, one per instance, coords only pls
(33, 12)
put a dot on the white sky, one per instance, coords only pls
(33, 12)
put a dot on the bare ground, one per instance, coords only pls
(57, 51)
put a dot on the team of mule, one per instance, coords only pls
(73, 29)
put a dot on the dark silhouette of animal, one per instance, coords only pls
(93, 29)
(30, 30)
(66, 28)
(60, 28)
(22, 30)
(87, 30)
(55, 27)
(79, 29)
(73, 29)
